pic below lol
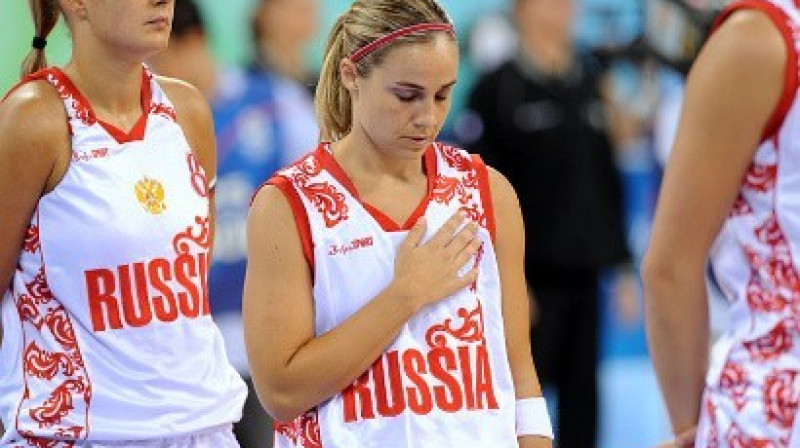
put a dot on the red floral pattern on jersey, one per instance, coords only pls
(303, 432)
(470, 329)
(59, 324)
(736, 438)
(197, 176)
(326, 198)
(455, 158)
(770, 233)
(781, 397)
(31, 243)
(741, 207)
(59, 404)
(41, 364)
(39, 442)
(79, 110)
(163, 110)
(762, 299)
(198, 234)
(772, 345)
(29, 311)
(39, 289)
(734, 379)
(761, 178)
(445, 189)
(57, 388)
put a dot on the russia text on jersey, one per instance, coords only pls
(448, 377)
(122, 297)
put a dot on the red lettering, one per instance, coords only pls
(358, 388)
(189, 301)
(484, 387)
(103, 305)
(413, 364)
(165, 307)
(436, 357)
(466, 375)
(134, 317)
(395, 394)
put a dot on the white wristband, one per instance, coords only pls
(532, 418)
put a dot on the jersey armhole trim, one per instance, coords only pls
(486, 194)
(300, 216)
(790, 84)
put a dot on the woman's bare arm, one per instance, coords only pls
(731, 92)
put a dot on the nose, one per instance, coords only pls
(425, 115)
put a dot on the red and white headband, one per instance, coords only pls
(394, 35)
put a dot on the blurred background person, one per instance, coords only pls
(263, 120)
(543, 124)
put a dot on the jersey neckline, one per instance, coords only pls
(388, 224)
(136, 133)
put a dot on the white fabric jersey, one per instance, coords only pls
(753, 385)
(107, 331)
(445, 380)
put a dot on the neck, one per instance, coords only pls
(550, 51)
(360, 157)
(286, 61)
(112, 85)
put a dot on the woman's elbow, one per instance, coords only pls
(280, 405)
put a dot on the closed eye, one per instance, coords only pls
(405, 95)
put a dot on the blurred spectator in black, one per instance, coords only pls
(263, 120)
(539, 119)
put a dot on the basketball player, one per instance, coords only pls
(729, 196)
(373, 306)
(106, 174)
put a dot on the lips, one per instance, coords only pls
(158, 21)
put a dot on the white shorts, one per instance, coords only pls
(219, 437)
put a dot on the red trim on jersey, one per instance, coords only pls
(40, 75)
(137, 131)
(783, 22)
(300, 216)
(387, 224)
(486, 195)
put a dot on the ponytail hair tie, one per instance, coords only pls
(39, 43)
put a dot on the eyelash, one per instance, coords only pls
(414, 96)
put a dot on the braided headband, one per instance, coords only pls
(394, 35)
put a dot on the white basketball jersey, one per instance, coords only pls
(753, 384)
(107, 333)
(445, 380)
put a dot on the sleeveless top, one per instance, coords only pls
(108, 335)
(445, 380)
(751, 396)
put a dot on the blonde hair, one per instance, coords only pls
(45, 16)
(364, 22)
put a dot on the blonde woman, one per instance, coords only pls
(385, 303)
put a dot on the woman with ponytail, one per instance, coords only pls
(106, 180)
(385, 303)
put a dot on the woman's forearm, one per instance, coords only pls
(330, 362)
(678, 337)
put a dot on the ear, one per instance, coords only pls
(74, 8)
(348, 72)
